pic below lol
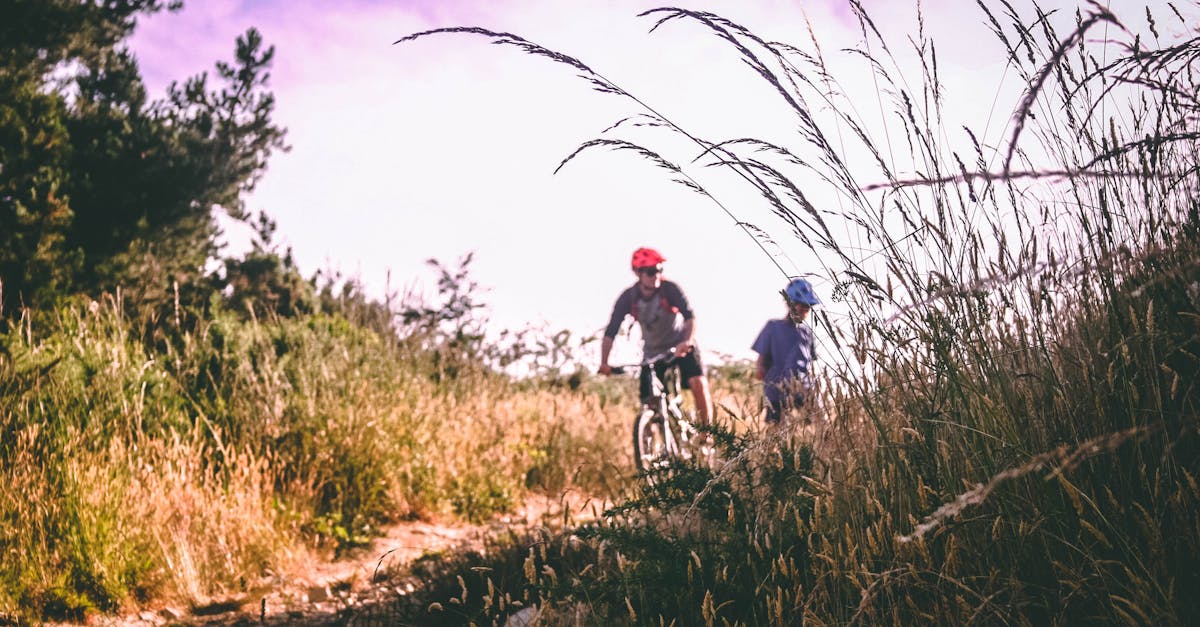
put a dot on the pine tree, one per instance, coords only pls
(100, 187)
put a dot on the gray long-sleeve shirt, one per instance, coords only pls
(661, 317)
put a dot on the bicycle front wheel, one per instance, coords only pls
(651, 446)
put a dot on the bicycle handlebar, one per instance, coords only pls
(667, 359)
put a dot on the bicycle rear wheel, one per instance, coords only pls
(651, 445)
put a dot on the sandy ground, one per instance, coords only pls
(333, 592)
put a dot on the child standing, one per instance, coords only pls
(786, 352)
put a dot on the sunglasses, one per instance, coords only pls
(649, 271)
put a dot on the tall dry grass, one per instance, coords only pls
(1011, 432)
(192, 456)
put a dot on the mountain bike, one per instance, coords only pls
(661, 432)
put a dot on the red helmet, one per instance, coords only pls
(646, 257)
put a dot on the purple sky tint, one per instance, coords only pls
(446, 145)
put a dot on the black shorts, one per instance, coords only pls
(689, 366)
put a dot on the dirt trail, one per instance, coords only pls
(330, 592)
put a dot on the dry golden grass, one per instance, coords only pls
(246, 445)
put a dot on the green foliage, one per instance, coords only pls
(692, 547)
(263, 282)
(714, 537)
(102, 189)
(67, 413)
(34, 213)
(510, 573)
(38, 35)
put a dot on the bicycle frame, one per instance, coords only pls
(666, 390)
(660, 429)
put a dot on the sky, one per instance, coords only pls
(448, 145)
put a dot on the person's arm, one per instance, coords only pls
(606, 345)
(762, 346)
(620, 310)
(689, 334)
(675, 298)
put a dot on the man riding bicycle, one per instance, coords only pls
(667, 324)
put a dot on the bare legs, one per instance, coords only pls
(702, 398)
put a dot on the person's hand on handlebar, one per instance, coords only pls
(605, 369)
(682, 349)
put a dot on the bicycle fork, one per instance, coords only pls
(670, 422)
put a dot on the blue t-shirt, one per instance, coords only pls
(787, 349)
